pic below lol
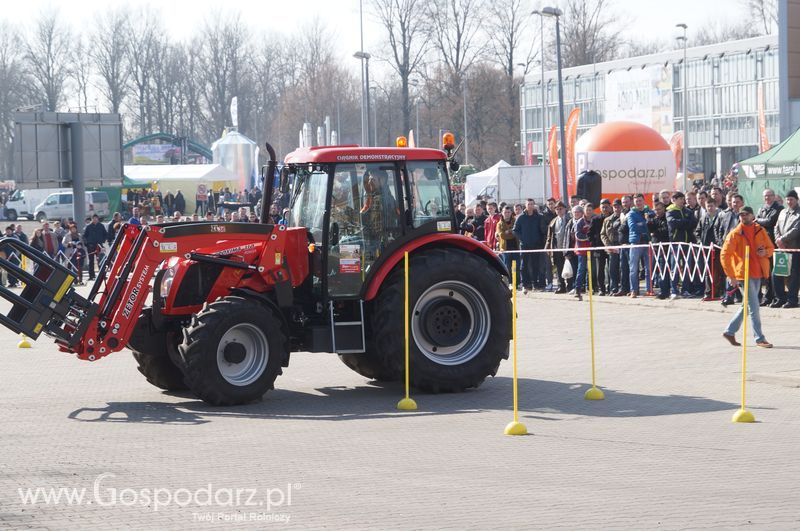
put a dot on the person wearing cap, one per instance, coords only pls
(787, 236)
(747, 233)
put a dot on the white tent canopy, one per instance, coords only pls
(477, 182)
(148, 173)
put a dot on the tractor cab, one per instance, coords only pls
(362, 206)
(365, 205)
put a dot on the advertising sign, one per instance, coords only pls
(153, 153)
(631, 172)
(642, 95)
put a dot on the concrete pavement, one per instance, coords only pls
(327, 449)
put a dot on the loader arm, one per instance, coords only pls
(95, 326)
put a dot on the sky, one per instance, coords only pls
(646, 19)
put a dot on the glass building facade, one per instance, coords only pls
(724, 82)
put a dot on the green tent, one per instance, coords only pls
(777, 168)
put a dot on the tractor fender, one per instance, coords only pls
(265, 299)
(438, 241)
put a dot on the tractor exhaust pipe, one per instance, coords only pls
(269, 184)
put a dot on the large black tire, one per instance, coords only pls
(460, 324)
(11, 215)
(233, 351)
(372, 365)
(155, 353)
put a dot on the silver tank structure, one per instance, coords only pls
(239, 154)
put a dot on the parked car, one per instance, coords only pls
(23, 203)
(59, 206)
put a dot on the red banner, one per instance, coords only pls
(763, 141)
(552, 153)
(572, 135)
(676, 145)
(529, 153)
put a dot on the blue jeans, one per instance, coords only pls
(530, 269)
(580, 276)
(624, 269)
(637, 255)
(753, 307)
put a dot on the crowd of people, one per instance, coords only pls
(84, 251)
(152, 202)
(638, 243)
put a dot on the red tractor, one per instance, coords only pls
(230, 301)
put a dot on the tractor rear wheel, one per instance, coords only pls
(372, 366)
(233, 351)
(460, 321)
(155, 353)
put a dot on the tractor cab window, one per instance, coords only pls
(308, 209)
(430, 195)
(364, 220)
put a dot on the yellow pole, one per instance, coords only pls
(406, 403)
(594, 393)
(743, 415)
(514, 427)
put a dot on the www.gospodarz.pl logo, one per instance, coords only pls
(157, 498)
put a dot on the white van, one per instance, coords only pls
(22, 203)
(59, 206)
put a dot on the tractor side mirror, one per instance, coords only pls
(334, 235)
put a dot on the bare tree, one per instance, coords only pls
(765, 12)
(81, 71)
(225, 42)
(48, 54)
(110, 55)
(714, 32)
(143, 41)
(405, 25)
(454, 30)
(590, 32)
(507, 25)
(15, 91)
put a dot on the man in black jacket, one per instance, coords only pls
(95, 235)
(767, 218)
(681, 222)
(706, 235)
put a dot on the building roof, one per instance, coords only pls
(670, 56)
(354, 153)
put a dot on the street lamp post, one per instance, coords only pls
(374, 115)
(556, 12)
(544, 91)
(364, 57)
(685, 109)
(466, 136)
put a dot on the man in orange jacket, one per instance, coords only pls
(747, 233)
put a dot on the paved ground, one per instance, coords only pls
(659, 452)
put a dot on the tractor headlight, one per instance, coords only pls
(166, 282)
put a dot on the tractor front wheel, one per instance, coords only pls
(460, 321)
(155, 353)
(233, 351)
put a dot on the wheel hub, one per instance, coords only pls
(234, 353)
(446, 322)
